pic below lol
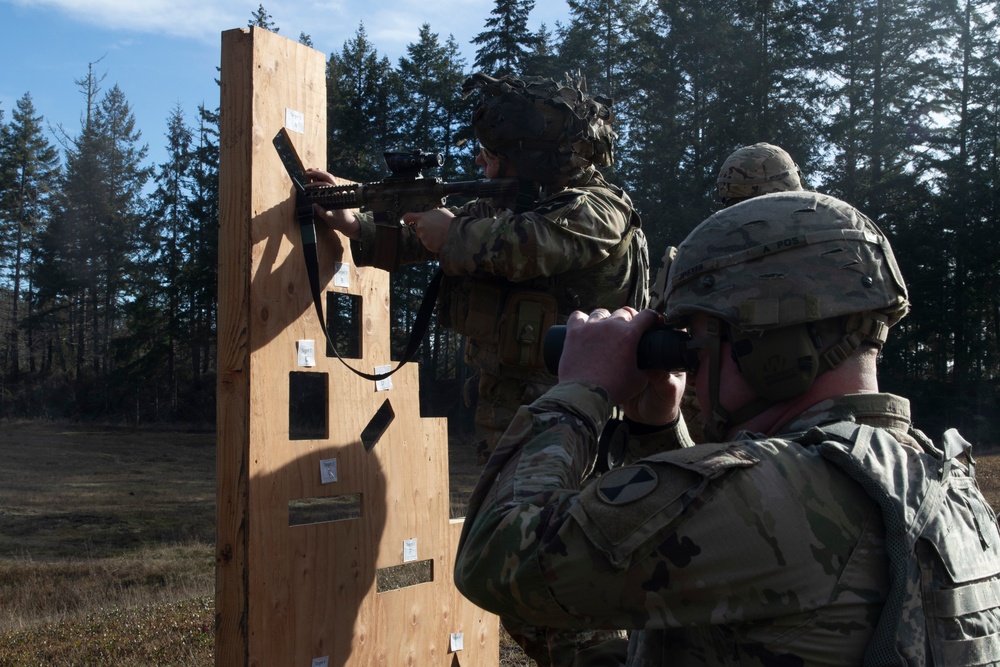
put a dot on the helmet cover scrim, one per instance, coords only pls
(549, 130)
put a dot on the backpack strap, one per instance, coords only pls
(851, 454)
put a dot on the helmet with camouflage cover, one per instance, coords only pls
(796, 282)
(756, 170)
(549, 130)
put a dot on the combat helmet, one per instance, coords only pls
(549, 130)
(795, 281)
(756, 170)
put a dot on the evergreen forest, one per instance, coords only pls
(108, 263)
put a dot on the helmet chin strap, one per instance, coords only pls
(719, 421)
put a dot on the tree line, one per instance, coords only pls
(108, 265)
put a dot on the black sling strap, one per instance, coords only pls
(307, 226)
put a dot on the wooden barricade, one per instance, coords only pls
(335, 545)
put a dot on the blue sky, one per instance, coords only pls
(164, 53)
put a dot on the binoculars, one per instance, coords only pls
(659, 348)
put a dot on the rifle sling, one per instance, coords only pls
(307, 227)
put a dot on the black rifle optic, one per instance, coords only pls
(659, 348)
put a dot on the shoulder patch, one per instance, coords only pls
(626, 511)
(621, 486)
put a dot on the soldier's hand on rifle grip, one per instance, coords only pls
(341, 220)
(431, 227)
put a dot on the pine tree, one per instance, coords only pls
(68, 245)
(543, 59)
(118, 232)
(947, 358)
(677, 120)
(506, 45)
(159, 310)
(6, 172)
(6, 191)
(33, 167)
(201, 274)
(89, 246)
(880, 56)
(702, 79)
(261, 19)
(597, 42)
(430, 75)
(363, 109)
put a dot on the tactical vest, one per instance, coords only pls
(942, 541)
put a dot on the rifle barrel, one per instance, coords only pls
(361, 195)
(486, 187)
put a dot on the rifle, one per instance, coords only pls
(407, 189)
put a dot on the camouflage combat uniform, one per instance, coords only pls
(761, 551)
(579, 248)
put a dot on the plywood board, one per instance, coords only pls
(306, 595)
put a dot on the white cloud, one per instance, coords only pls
(390, 24)
(182, 18)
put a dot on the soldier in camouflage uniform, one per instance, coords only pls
(748, 172)
(569, 241)
(820, 528)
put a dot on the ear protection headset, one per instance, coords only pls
(779, 364)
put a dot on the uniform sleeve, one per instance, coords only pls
(715, 533)
(410, 250)
(574, 229)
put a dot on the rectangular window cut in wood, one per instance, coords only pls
(307, 511)
(401, 576)
(343, 321)
(308, 400)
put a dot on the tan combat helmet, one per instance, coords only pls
(756, 170)
(795, 281)
(550, 131)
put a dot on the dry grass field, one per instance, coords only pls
(106, 545)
